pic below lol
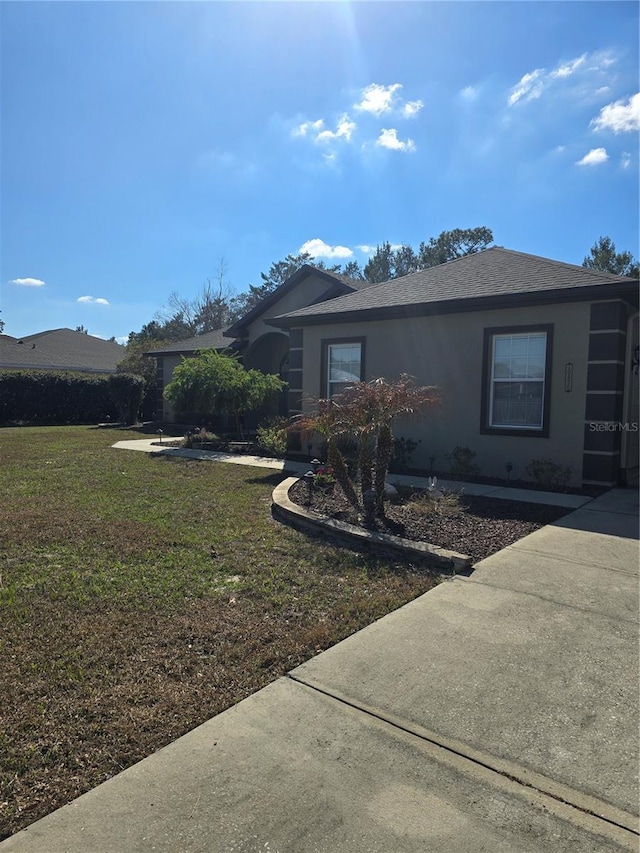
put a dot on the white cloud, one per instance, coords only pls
(620, 117)
(412, 108)
(319, 249)
(625, 160)
(344, 129)
(469, 93)
(366, 248)
(389, 139)
(316, 130)
(27, 282)
(568, 68)
(529, 87)
(92, 300)
(377, 99)
(594, 157)
(308, 127)
(533, 84)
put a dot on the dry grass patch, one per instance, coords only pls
(139, 596)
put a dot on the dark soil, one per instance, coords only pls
(480, 527)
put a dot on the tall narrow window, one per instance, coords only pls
(344, 366)
(517, 382)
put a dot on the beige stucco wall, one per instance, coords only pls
(447, 351)
(302, 295)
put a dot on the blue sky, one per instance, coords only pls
(142, 143)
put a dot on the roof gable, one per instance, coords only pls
(338, 285)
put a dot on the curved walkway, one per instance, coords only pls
(497, 712)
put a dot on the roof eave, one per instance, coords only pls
(627, 290)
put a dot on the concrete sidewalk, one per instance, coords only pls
(150, 445)
(495, 713)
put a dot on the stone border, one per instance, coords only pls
(283, 509)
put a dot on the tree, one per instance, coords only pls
(82, 329)
(127, 391)
(138, 364)
(450, 245)
(277, 274)
(1, 326)
(603, 256)
(215, 384)
(388, 263)
(366, 411)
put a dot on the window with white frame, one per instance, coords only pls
(344, 366)
(517, 382)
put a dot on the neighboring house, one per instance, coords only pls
(60, 349)
(535, 359)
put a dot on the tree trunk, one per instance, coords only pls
(341, 472)
(384, 450)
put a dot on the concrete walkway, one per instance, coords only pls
(495, 713)
(150, 445)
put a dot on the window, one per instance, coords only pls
(342, 365)
(517, 364)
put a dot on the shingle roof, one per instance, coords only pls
(215, 339)
(493, 273)
(337, 284)
(60, 349)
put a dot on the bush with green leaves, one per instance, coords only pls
(54, 397)
(127, 391)
(461, 462)
(403, 449)
(213, 384)
(271, 437)
(548, 474)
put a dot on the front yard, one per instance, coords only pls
(139, 596)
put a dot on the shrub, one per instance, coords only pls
(364, 412)
(127, 391)
(547, 474)
(54, 397)
(403, 449)
(461, 462)
(447, 505)
(271, 437)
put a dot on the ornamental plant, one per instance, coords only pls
(324, 476)
(366, 411)
(213, 384)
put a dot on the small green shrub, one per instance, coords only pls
(461, 462)
(271, 437)
(403, 449)
(548, 474)
(447, 505)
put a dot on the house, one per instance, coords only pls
(60, 349)
(535, 358)
(260, 345)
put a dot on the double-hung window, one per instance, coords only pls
(517, 369)
(343, 365)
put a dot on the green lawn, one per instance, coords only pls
(139, 596)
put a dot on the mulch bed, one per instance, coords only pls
(483, 527)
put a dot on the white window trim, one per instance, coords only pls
(493, 381)
(330, 346)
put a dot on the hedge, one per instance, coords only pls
(55, 397)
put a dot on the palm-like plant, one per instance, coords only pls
(366, 411)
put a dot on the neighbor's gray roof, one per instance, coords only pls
(208, 340)
(60, 349)
(489, 275)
